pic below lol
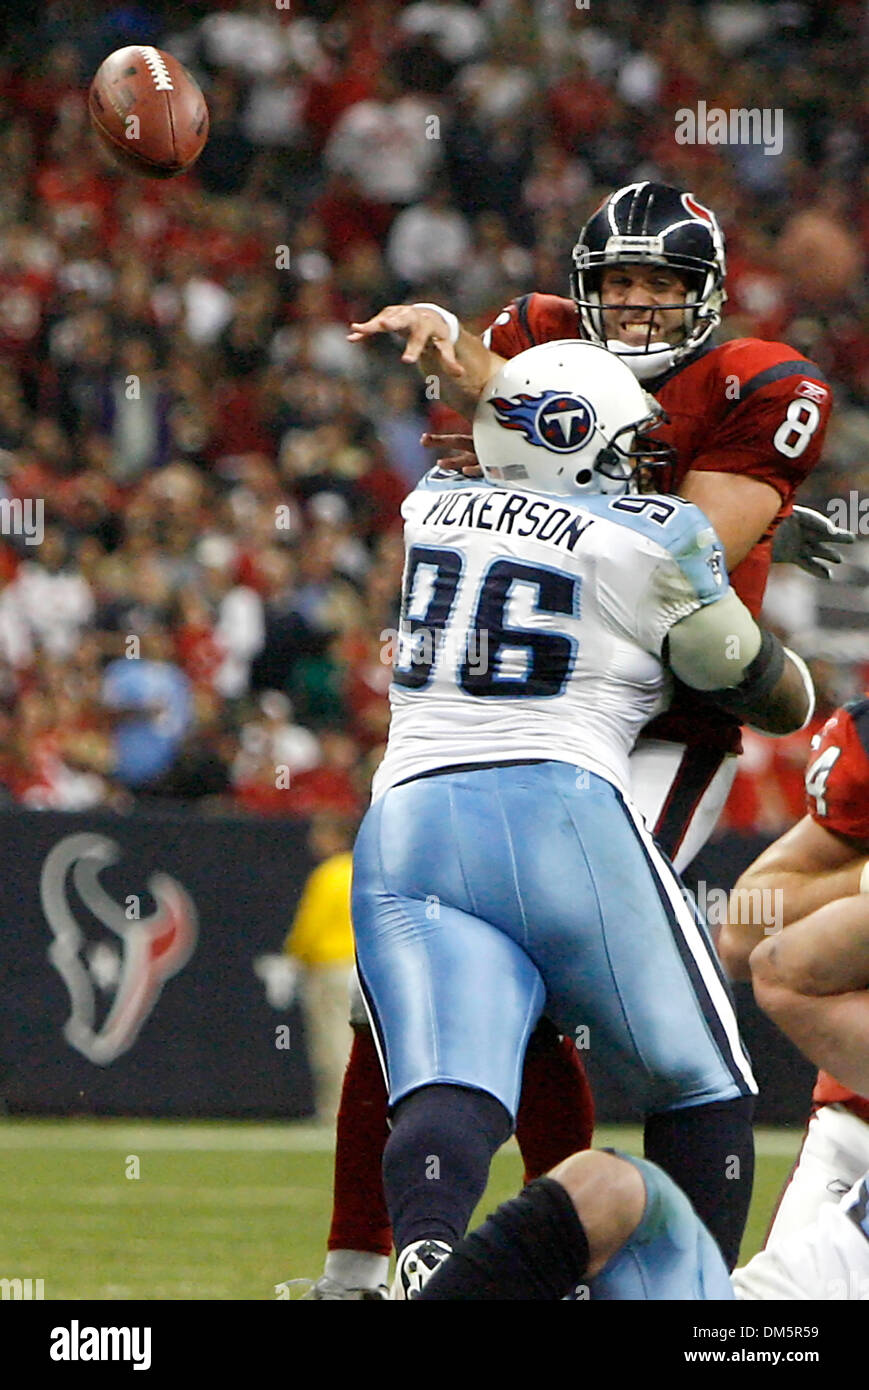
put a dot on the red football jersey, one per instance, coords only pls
(837, 797)
(746, 406)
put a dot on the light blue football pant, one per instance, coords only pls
(484, 898)
(670, 1256)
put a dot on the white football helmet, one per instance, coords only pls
(564, 418)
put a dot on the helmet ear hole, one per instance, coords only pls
(583, 477)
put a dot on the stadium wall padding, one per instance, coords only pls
(208, 1044)
(214, 1038)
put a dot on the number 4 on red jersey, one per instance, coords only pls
(837, 776)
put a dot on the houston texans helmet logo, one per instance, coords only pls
(134, 962)
(552, 420)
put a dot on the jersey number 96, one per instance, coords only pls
(548, 657)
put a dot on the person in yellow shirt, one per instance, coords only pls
(321, 941)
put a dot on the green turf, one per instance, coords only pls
(219, 1211)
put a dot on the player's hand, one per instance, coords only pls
(423, 328)
(463, 458)
(810, 539)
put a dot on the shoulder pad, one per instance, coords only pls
(436, 479)
(680, 528)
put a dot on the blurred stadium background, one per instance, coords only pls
(221, 474)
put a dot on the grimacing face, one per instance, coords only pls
(634, 292)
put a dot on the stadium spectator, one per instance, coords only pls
(400, 425)
(428, 240)
(386, 145)
(54, 601)
(150, 699)
(239, 624)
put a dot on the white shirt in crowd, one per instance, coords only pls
(55, 606)
(426, 243)
(240, 630)
(387, 148)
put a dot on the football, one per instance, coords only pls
(148, 112)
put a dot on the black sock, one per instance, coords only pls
(436, 1162)
(533, 1247)
(708, 1150)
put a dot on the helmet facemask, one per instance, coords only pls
(632, 455)
(701, 315)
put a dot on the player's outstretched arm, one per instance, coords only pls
(436, 342)
(807, 868)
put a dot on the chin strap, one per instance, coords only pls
(644, 363)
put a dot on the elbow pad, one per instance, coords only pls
(714, 647)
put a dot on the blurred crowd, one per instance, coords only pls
(221, 471)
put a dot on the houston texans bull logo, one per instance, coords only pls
(152, 949)
(551, 420)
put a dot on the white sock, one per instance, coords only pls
(356, 1269)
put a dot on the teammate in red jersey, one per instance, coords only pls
(821, 870)
(747, 420)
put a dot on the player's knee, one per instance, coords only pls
(609, 1197)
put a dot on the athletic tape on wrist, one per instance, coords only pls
(864, 878)
(449, 319)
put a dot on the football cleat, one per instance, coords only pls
(416, 1265)
(330, 1289)
(335, 1292)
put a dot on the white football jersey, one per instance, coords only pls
(532, 625)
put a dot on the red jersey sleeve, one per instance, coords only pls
(837, 776)
(534, 318)
(774, 429)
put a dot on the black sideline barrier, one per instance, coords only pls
(140, 971)
(140, 968)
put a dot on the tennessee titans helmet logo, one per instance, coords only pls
(552, 420)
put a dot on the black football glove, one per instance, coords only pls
(810, 539)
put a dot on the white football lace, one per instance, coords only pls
(157, 69)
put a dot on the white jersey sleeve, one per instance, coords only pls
(683, 570)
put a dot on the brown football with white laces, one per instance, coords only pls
(148, 111)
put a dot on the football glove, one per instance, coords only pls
(811, 540)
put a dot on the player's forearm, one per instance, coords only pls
(824, 953)
(804, 870)
(785, 709)
(479, 363)
(832, 1032)
(784, 898)
(802, 891)
(739, 507)
(736, 941)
